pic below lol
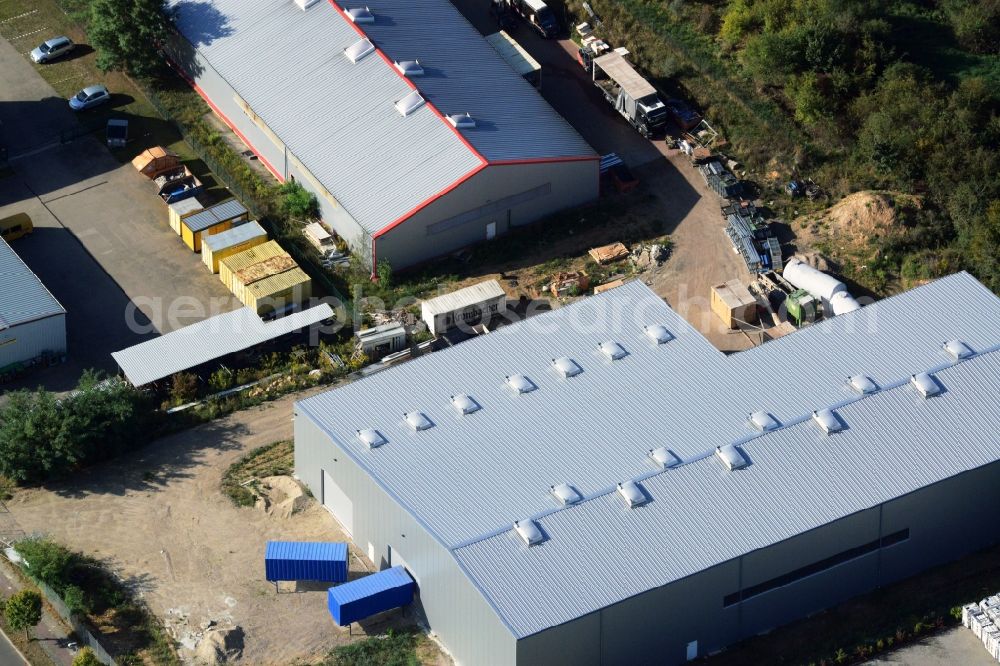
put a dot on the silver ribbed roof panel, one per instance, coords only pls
(635, 398)
(208, 340)
(786, 491)
(337, 117)
(230, 237)
(23, 297)
(464, 74)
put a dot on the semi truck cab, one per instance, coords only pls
(630, 94)
(538, 15)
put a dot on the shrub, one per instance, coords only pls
(183, 388)
(86, 657)
(221, 380)
(297, 202)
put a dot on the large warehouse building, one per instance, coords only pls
(677, 499)
(415, 135)
(32, 322)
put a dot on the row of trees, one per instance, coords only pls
(44, 437)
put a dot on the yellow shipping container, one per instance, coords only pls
(178, 210)
(219, 246)
(229, 266)
(277, 292)
(212, 220)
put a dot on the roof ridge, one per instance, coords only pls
(784, 425)
(342, 13)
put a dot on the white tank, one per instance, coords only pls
(816, 282)
(842, 303)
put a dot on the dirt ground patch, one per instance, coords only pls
(159, 519)
(851, 226)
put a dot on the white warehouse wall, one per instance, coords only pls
(24, 342)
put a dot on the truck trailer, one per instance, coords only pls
(629, 93)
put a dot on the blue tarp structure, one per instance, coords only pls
(364, 597)
(303, 560)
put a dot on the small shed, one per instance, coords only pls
(305, 560)
(212, 220)
(179, 210)
(470, 306)
(234, 263)
(364, 597)
(278, 293)
(734, 304)
(155, 161)
(379, 341)
(232, 241)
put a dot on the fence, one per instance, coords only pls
(260, 208)
(81, 631)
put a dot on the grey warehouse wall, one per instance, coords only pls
(566, 185)
(29, 340)
(945, 521)
(455, 609)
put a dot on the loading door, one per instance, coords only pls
(338, 503)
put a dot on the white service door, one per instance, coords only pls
(491, 231)
(338, 503)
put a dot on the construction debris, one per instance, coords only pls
(608, 286)
(752, 237)
(607, 254)
(569, 284)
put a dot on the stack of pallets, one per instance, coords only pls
(984, 621)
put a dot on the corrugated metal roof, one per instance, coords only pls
(894, 445)
(338, 117)
(464, 74)
(234, 236)
(275, 284)
(213, 215)
(254, 255)
(335, 116)
(462, 298)
(305, 550)
(683, 395)
(23, 297)
(208, 340)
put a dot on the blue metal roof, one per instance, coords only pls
(23, 297)
(213, 215)
(306, 550)
(596, 429)
(235, 236)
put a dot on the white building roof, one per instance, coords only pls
(339, 117)
(23, 297)
(686, 397)
(462, 298)
(208, 340)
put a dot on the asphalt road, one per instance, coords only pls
(9, 653)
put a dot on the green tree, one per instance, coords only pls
(127, 34)
(86, 657)
(47, 561)
(23, 611)
(297, 202)
(810, 103)
(384, 273)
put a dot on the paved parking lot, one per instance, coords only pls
(102, 244)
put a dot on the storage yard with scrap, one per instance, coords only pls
(592, 197)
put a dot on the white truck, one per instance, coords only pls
(633, 97)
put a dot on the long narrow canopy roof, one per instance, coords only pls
(23, 297)
(209, 340)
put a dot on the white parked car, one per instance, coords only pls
(89, 97)
(50, 50)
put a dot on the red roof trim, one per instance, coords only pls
(409, 83)
(547, 160)
(428, 201)
(226, 120)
